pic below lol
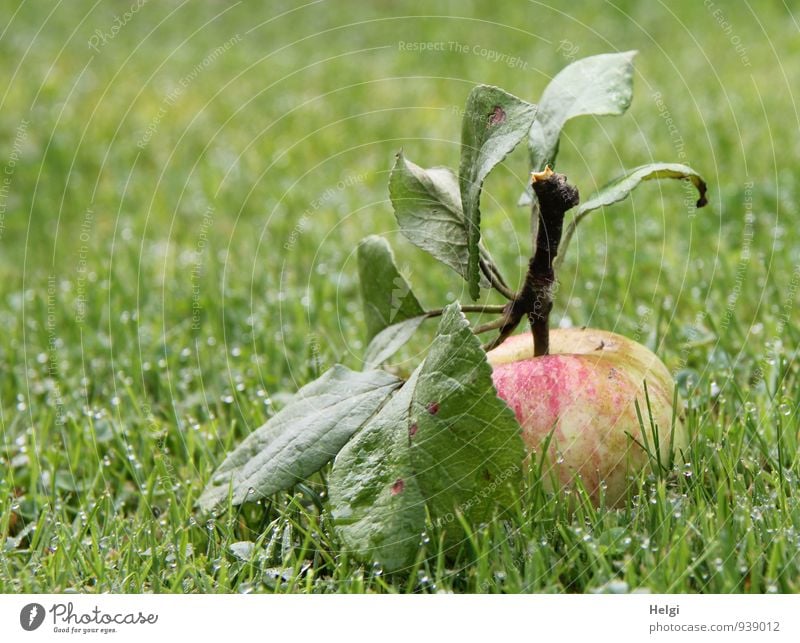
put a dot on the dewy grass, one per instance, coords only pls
(105, 500)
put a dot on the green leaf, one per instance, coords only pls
(386, 295)
(445, 440)
(622, 186)
(427, 205)
(494, 122)
(389, 341)
(467, 449)
(302, 437)
(376, 504)
(598, 85)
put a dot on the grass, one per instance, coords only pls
(175, 261)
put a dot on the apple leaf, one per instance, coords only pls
(387, 342)
(377, 507)
(386, 295)
(302, 437)
(598, 85)
(494, 122)
(445, 441)
(427, 205)
(467, 446)
(622, 186)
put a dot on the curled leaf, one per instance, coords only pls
(622, 186)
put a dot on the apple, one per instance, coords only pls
(584, 392)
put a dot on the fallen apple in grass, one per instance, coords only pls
(584, 392)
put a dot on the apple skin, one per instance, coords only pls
(585, 389)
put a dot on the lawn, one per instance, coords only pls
(184, 187)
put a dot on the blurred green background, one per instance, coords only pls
(186, 183)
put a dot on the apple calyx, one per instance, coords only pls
(535, 299)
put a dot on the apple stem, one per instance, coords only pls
(535, 299)
(555, 196)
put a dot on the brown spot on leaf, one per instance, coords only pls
(433, 408)
(497, 116)
(412, 430)
(398, 486)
